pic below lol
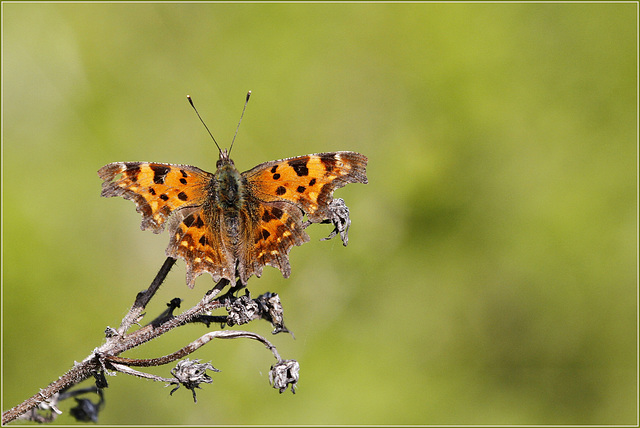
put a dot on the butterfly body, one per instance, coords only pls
(232, 224)
(227, 185)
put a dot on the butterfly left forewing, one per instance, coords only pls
(307, 181)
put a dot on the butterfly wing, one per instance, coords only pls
(307, 181)
(270, 230)
(157, 189)
(181, 192)
(282, 192)
(195, 237)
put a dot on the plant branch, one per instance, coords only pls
(193, 346)
(128, 370)
(105, 357)
(143, 298)
(77, 374)
(120, 342)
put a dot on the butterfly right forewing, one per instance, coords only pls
(158, 189)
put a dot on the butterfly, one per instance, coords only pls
(231, 224)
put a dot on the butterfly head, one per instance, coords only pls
(224, 158)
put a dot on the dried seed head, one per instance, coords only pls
(191, 374)
(283, 374)
(272, 311)
(241, 310)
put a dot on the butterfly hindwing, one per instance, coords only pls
(270, 231)
(196, 238)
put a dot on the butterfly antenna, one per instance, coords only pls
(241, 116)
(205, 125)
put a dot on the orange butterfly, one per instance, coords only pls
(232, 224)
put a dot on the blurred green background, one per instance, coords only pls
(490, 276)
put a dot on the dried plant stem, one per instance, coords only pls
(120, 342)
(77, 374)
(229, 334)
(143, 298)
(128, 370)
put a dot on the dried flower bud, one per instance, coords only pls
(241, 310)
(272, 311)
(85, 411)
(283, 374)
(339, 216)
(101, 379)
(191, 374)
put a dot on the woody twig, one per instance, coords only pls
(187, 373)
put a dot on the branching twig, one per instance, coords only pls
(143, 298)
(229, 334)
(128, 370)
(106, 356)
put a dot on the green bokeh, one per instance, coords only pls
(490, 276)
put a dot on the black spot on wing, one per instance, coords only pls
(159, 173)
(329, 161)
(132, 171)
(193, 220)
(300, 166)
(277, 213)
(188, 220)
(204, 241)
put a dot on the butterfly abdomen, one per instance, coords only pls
(228, 189)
